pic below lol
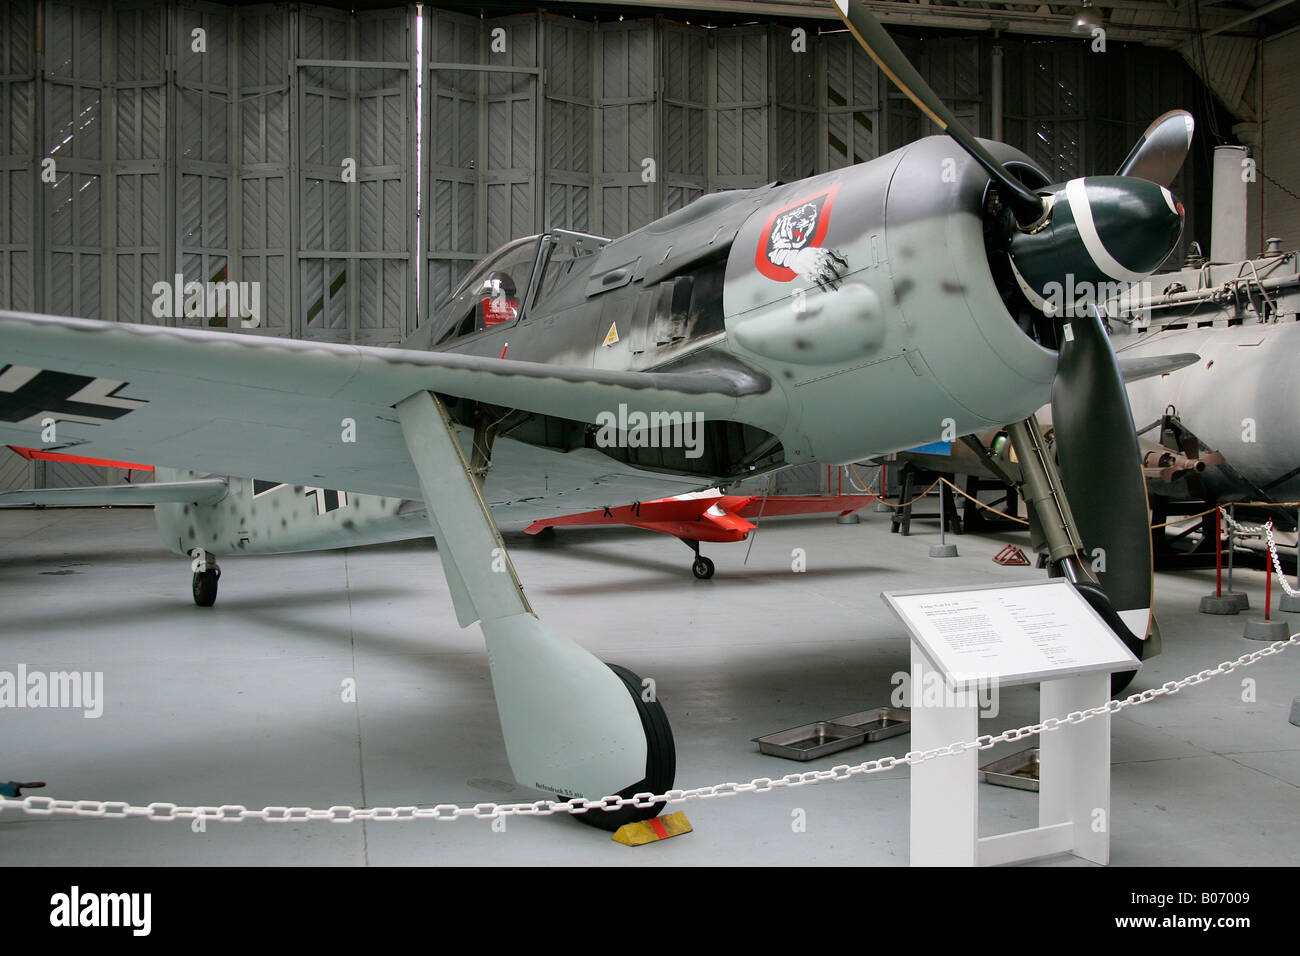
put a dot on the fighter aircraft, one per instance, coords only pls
(780, 320)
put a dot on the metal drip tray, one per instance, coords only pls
(1020, 771)
(879, 722)
(811, 740)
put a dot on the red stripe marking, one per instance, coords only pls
(33, 454)
(660, 830)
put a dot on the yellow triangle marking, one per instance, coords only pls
(612, 335)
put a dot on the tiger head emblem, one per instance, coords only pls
(793, 233)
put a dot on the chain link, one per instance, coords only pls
(1266, 529)
(234, 813)
(1245, 530)
(1277, 562)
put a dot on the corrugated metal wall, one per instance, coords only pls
(184, 136)
(271, 145)
(1279, 160)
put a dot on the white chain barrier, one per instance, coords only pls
(1266, 529)
(1277, 563)
(236, 813)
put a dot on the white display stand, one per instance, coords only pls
(1034, 632)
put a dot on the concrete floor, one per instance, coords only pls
(241, 704)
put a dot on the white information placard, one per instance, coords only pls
(1014, 633)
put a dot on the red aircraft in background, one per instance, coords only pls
(707, 516)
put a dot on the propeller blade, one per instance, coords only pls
(1101, 468)
(1159, 154)
(867, 30)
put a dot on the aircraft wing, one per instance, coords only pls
(197, 491)
(645, 512)
(1136, 368)
(778, 505)
(228, 403)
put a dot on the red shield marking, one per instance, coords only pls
(799, 225)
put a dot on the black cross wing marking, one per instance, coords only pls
(326, 499)
(50, 393)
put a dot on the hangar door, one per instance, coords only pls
(265, 152)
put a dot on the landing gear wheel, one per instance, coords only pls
(1100, 603)
(702, 568)
(205, 587)
(1119, 680)
(660, 760)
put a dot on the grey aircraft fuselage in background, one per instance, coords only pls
(1242, 399)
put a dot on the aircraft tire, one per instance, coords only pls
(204, 587)
(702, 568)
(661, 760)
(1096, 597)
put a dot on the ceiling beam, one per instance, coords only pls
(944, 15)
(1258, 12)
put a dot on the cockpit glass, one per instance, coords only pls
(495, 293)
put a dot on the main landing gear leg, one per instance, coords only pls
(1053, 524)
(573, 725)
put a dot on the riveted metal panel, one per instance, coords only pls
(510, 155)
(264, 233)
(356, 188)
(323, 144)
(16, 473)
(137, 159)
(72, 135)
(740, 113)
(627, 98)
(684, 164)
(568, 55)
(203, 44)
(1052, 103)
(796, 64)
(450, 194)
(852, 90)
(19, 180)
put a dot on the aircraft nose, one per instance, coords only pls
(1128, 226)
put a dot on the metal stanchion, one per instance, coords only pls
(943, 549)
(1243, 601)
(884, 489)
(1218, 603)
(1267, 629)
(851, 518)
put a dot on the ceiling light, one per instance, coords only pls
(1086, 19)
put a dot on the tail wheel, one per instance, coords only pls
(660, 760)
(205, 587)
